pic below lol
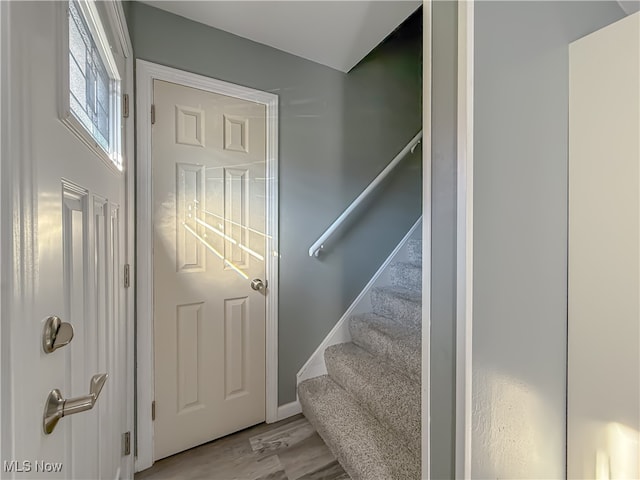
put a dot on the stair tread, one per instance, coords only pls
(392, 340)
(400, 292)
(396, 302)
(366, 449)
(409, 263)
(391, 396)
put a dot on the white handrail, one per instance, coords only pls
(314, 250)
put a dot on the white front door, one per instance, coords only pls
(208, 162)
(67, 260)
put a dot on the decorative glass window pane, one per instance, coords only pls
(90, 85)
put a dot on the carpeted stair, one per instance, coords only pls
(367, 408)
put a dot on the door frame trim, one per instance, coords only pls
(118, 24)
(427, 62)
(464, 247)
(146, 73)
(6, 187)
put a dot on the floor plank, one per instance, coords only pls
(287, 450)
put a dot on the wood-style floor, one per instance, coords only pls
(287, 450)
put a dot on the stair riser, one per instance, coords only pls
(391, 397)
(388, 305)
(414, 250)
(377, 343)
(406, 276)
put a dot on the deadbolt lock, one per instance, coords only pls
(56, 334)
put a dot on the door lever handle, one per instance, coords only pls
(57, 407)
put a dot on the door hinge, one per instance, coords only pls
(153, 114)
(125, 105)
(153, 410)
(126, 444)
(127, 276)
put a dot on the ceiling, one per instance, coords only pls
(630, 6)
(337, 34)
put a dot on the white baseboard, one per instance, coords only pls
(289, 410)
(315, 366)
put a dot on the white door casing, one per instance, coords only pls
(464, 234)
(146, 74)
(66, 210)
(427, 19)
(208, 167)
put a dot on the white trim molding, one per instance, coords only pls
(118, 23)
(289, 410)
(146, 73)
(315, 365)
(426, 237)
(115, 13)
(464, 230)
(6, 427)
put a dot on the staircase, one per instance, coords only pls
(367, 408)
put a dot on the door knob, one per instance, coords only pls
(258, 284)
(57, 407)
(56, 334)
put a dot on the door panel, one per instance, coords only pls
(208, 167)
(235, 351)
(189, 351)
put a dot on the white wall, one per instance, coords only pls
(520, 232)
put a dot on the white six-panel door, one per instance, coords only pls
(208, 163)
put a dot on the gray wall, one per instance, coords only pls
(443, 238)
(337, 131)
(520, 232)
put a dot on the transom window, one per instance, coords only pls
(93, 108)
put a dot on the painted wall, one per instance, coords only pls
(603, 414)
(337, 131)
(443, 237)
(520, 232)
